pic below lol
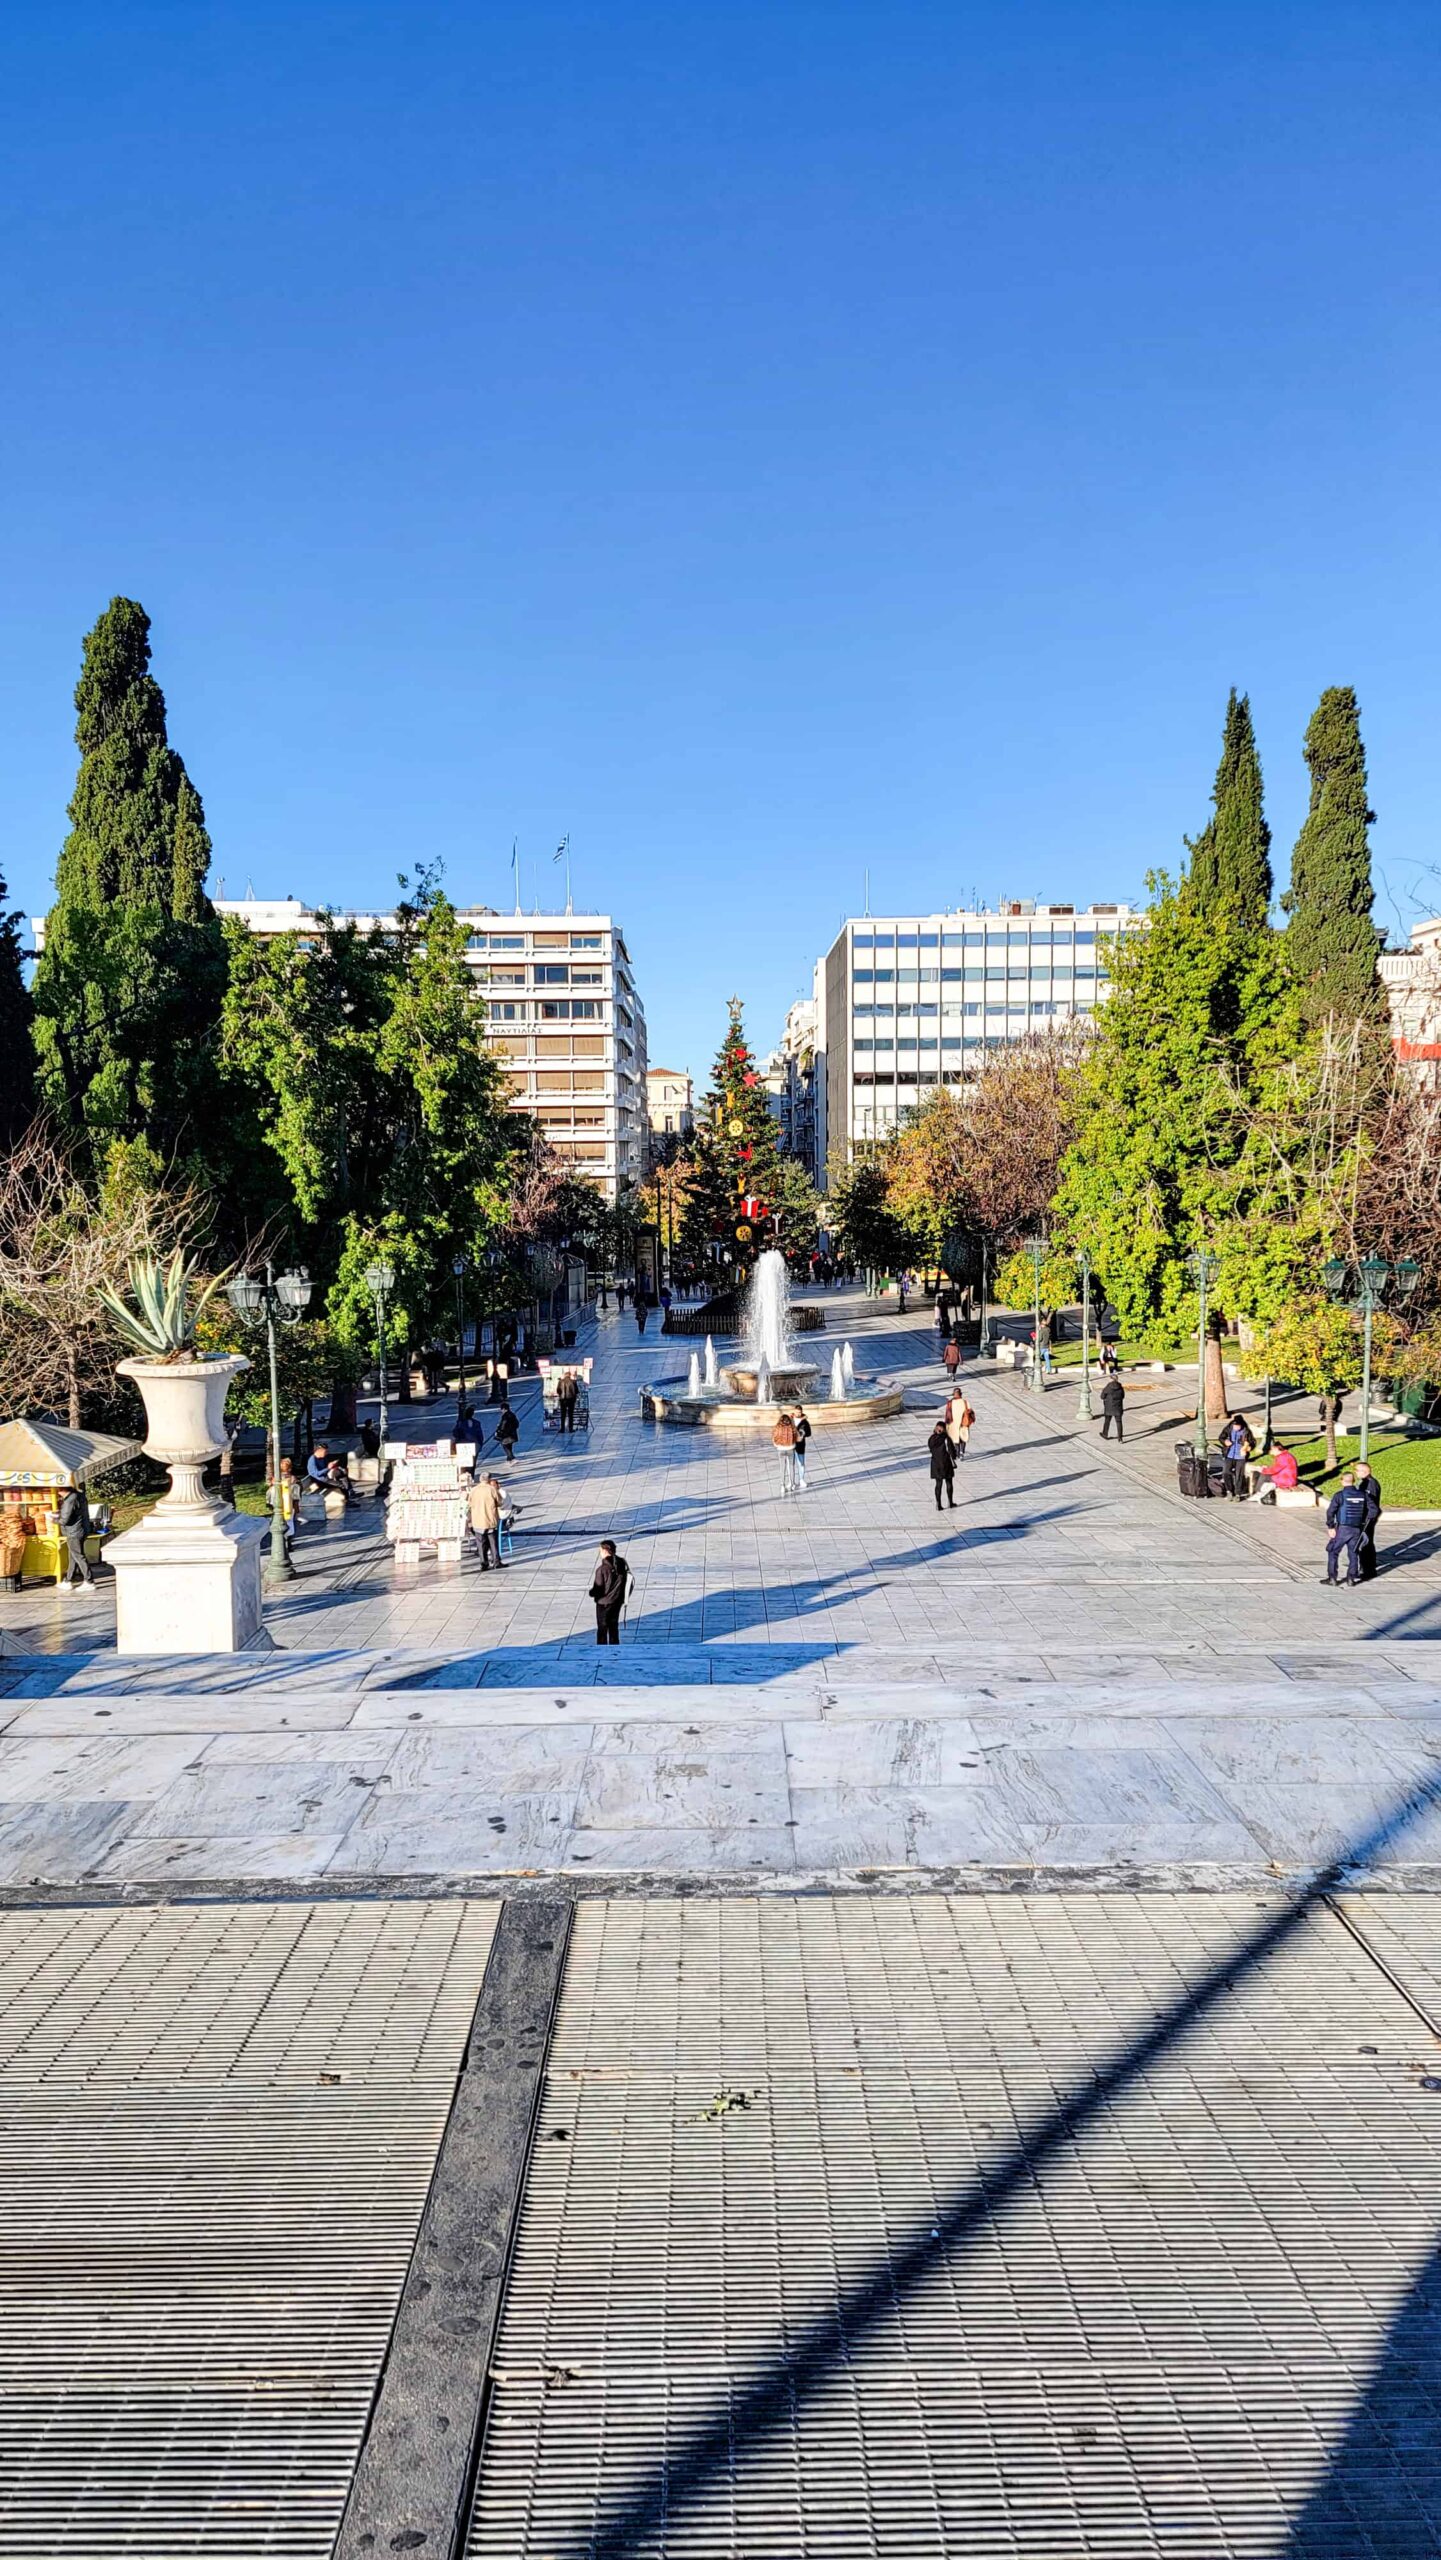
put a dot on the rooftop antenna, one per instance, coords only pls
(515, 869)
(562, 854)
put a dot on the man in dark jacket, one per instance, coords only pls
(1366, 1551)
(943, 1464)
(1113, 1407)
(608, 1591)
(1346, 1516)
(74, 1518)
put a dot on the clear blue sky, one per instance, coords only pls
(765, 441)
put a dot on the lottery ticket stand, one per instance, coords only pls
(39, 1463)
(551, 1374)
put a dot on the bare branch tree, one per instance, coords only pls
(58, 1247)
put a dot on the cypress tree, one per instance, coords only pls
(17, 1054)
(130, 983)
(1331, 941)
(1230, 862)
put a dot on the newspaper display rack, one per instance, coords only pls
(429, 1491)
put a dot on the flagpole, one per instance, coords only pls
(515, 869)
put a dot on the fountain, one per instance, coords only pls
(770, 1354)
(770, 1374)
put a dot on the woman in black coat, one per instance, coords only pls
(507, 1430)
(943, 1464)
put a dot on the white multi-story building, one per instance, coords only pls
(910, 1002)
(670, 1099)
(561, 1004)
(1412, 980)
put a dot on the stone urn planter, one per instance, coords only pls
(185, 1421)
(187, 1576)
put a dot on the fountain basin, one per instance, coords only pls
(799, 1380)
(667, 1400)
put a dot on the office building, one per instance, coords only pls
(789, 1077)
(910, 1002)
(670, 1104)
(562, 1007)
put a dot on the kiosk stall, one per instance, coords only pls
(39, 1462)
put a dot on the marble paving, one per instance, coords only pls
(1074, 1674)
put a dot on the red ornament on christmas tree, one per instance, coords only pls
(749, 1079)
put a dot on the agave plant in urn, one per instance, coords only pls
(188, 1574)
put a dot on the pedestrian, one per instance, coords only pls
(1346, 1516)
(784, 1438)
(466, 1426)
(950, 1358)
(227, 1466)
(609, 1590)
(959, 1421)
(74, 1517)
(507, 1432)
(620, 1297)
(901, 1286)
(1371, 1487)
(943, 1314)
(370, 1439)
(1113, 1406)
(943, 1464)
(803, 1433)
(566, 1394)
(641, 1312)
(1238, 1441)
(485, 1506)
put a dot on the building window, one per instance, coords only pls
(551, 974)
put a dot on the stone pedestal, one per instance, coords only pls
(187, 1581)
(187, 1576)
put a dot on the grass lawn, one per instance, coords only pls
(130, 1507)
(1409, 1470)
(1067, 1355)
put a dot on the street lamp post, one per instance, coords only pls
(286, 1298)
(458, 1267)
(380, 1280)
(1366, 1288)
(1083, 1409)
(1037, 1249)
(1204, 1267)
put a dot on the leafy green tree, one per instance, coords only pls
(1317, 1346)
(735, 1157)
(1015, 1281)
(1230, 866)
(866, 1231)
(129, 986)
(1198, 1016)
(1332, 941)
(383, 1109)
(17, 1054)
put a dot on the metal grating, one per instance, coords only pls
(1206, 2325)
(217, 2129)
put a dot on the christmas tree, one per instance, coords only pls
(735, 1166)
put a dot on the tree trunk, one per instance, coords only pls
(1330, 1406)
(342, 1408)
(72, 1382)
(1216, 1405)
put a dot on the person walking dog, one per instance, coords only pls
(943, 1464)
(609, 1588)
(1113, 1408)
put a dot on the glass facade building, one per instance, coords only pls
(911, 1002)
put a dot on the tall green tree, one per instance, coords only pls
(380, 1104)
(1197, 1018)
(129, 986)
(17, 1054)
(1230, 865)
(1331, 940)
